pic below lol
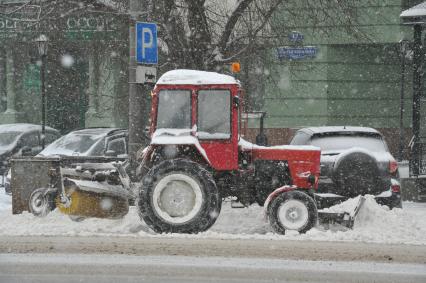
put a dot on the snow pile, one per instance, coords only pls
(378, 224)
(346, 206)
(374, 223)
(384, 224)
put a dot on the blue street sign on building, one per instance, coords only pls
(295, 36)
(296, 53)
(146, 43)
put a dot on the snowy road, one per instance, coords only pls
(385, 246)
(215, 247)
(375, 224)
(124, 268)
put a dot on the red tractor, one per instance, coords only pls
(197, 157)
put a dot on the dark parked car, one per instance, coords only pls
(90, 142)
(354, 161)
(22, 139)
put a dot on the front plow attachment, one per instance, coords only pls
(79, 187)
(92, 199)
(346, 219)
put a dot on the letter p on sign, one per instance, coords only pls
(146, 43)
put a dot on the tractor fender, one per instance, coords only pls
(273, 195)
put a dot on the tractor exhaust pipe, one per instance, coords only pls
(261, 138)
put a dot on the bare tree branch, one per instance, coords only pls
(230, 25)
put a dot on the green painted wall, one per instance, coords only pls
(355, 77)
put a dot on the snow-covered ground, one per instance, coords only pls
(374, 224)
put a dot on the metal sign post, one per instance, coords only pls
(144, 52)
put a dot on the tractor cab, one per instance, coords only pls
(199, 108)
(202, 109)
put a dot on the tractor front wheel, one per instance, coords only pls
(293, 210)
(179, 196)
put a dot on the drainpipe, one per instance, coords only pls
(404, 46)
(417, 92)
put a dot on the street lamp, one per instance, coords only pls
(41, 42)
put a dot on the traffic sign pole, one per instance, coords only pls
(138, 93)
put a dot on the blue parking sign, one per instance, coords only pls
(146, 43)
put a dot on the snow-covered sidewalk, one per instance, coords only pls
(374, 224)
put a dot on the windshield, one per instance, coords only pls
(214, 114)
(174, 109)
(8, 138)
(71, 144)
(338, 143)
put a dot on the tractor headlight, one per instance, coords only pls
(170, 151)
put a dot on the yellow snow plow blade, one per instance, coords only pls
(85, 203)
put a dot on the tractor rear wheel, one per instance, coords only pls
(179, 196)
(293, 210)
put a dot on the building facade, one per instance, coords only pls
(86, 79)
(350, 75)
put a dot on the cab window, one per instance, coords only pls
(214, 114)
(174, 109)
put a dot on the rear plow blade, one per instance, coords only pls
(346, 219)
(92, 199)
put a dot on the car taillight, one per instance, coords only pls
(393, 166)
(396, 188)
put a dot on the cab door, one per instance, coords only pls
(215, 127)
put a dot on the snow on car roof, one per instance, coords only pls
(193, 77)
(246, 145)
(95, 131)
(339, 129)
(415, 11)
(21, 127)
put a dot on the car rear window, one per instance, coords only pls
(340, 142)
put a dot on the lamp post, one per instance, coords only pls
(41, 42)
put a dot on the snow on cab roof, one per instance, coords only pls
(193, 77)
(21, 127)
(339, 129)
